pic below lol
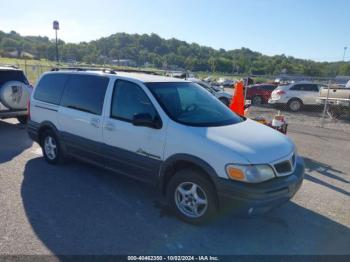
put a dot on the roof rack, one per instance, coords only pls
(104, 70)
(139, 71)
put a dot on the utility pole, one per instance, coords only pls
(345, 48)
(56, 27)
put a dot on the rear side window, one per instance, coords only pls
(297, 88)
(312, 88)
(85, 93)
(305, 87)
(50, 88)
(12, 75)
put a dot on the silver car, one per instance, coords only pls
(295, 95)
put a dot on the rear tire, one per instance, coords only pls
(192, 197)
(295, 105)
(257, 100)
(51, 148)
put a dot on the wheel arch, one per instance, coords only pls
(47, 125)
(181, 161)
(295, 98)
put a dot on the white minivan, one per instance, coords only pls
(168, 132)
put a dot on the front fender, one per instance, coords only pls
(172, 160)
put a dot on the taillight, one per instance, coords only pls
(280, 92)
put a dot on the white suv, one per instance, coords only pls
(169, 132)
(295, 96)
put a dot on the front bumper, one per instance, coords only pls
(260, 198)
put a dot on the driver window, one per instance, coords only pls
(128, 100)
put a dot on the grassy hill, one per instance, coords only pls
(156, 52)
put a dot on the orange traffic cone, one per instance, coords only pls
(237, 102)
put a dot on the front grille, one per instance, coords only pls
(283, 167)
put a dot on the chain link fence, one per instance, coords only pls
(328, 106)
(33, 69)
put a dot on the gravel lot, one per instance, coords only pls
(79, 209)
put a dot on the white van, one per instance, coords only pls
(168, 132)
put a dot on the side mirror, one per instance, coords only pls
(146, 120)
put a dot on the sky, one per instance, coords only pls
(310, 29)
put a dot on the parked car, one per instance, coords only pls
(295, 95)
(14, 93)
(168, 132)
(260, 94)
(337, 99)
(225, 82)
(220, 94)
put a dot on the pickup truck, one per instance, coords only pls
(337, 99)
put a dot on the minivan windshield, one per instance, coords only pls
(189, 104)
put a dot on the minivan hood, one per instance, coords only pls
(255, 142)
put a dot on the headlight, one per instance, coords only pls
(250, 173)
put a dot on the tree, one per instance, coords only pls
(172, 52)
(212, 64)
(344, 69)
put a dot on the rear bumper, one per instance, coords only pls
(333, 101)
(33, 130)
(260, 198)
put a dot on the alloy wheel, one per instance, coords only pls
(50, 147)
(191, 199)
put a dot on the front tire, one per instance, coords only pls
(192, 197)
(51, 148)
